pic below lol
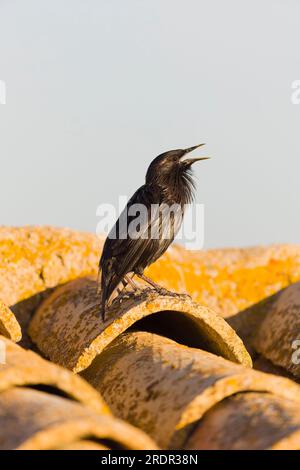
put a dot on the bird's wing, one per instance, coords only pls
(119, 251)
(118, 238)
(130, 250)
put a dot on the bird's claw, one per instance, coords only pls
(163, 291)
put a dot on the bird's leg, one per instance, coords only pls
(122, 290)
(123, 287)
(157, 287)
(134, 286)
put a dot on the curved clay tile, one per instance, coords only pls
(249, 421)
(278, 336)
(71, 316)
(228, 280)
(164, 388)
(30, 419)
(36, 259)
(9, 325)
(28, 369)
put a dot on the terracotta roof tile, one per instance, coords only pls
(67, 327)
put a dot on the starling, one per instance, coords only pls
(126, 252)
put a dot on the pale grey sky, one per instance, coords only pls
(97, 88)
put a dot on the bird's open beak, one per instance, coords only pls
(190, 149)
(190, 161)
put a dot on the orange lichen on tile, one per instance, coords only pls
(228, 280)
(33, 259)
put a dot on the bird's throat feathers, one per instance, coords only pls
(177, 185)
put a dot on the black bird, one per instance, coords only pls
(169, 182)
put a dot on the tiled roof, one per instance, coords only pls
(173, 366)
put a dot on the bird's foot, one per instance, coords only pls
(163, 291)
(124, 295)
(139, 291)
(131, 293)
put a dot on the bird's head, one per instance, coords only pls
(172, 170)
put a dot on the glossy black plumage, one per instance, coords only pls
(168, 181)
